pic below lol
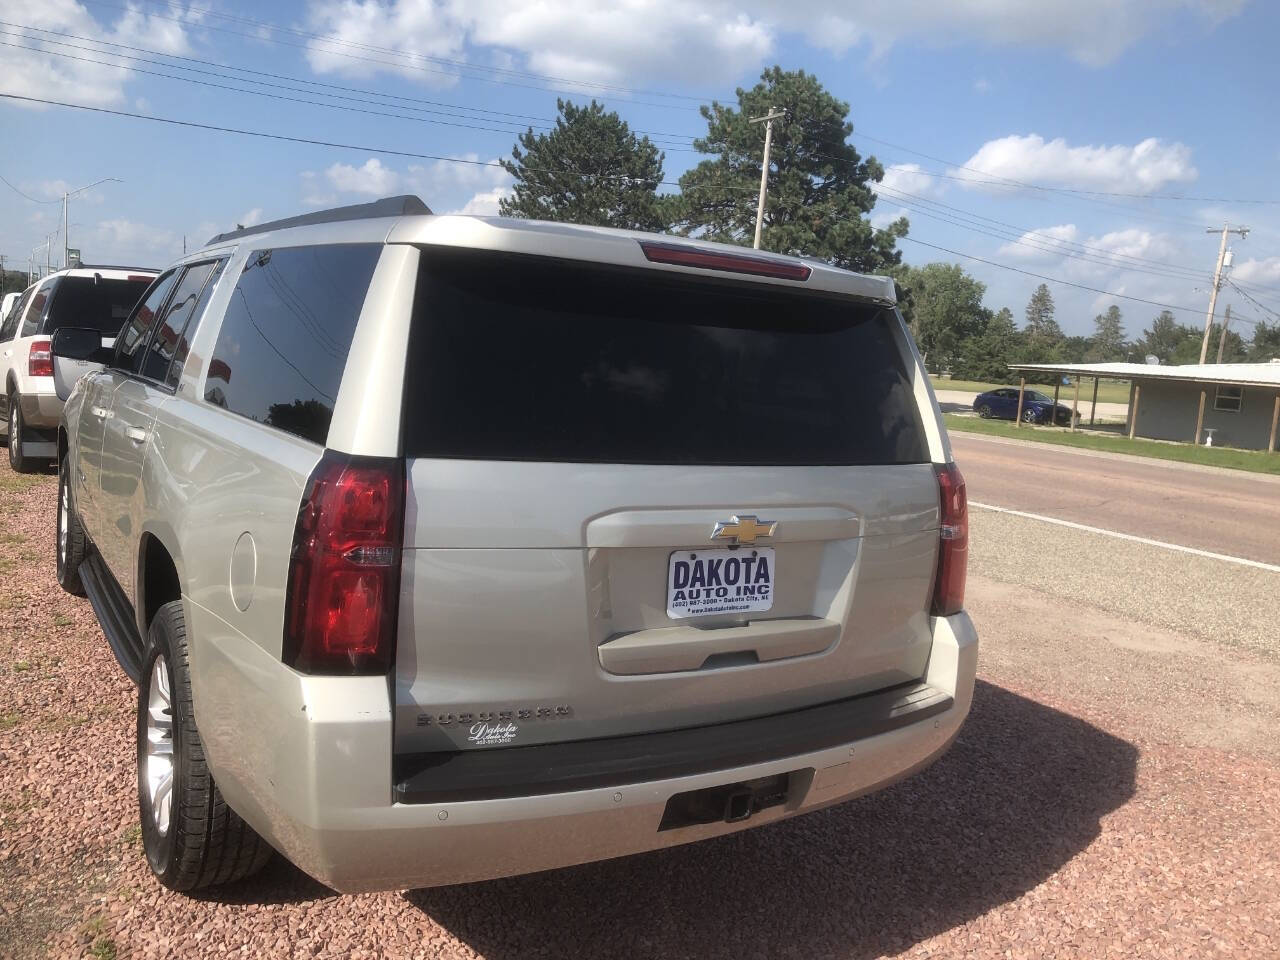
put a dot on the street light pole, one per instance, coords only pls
(767, 120)
(66, 197)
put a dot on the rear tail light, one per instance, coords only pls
(683, 256)
(344, 570)
(953, 542)
(40, 360)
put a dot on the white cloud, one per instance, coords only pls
(982, 85)
(1266, 270)
(122, 241)
(29, 72)
(250, 218)
(1142, 168)
(1038, 244)
(372, 179)
(712, 41)
(909, 178)
(465, 183)
(577, 40)
(485, 203)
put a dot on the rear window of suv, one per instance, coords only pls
(94, 302)
(528, 358)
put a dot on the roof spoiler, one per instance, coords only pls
(402, 206)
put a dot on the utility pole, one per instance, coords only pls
(1222, 337)
(66, 241)
(1217, 281)
(767, 120)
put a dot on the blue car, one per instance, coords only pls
(1002, 404)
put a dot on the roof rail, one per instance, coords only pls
(112, 266)
(401, 206)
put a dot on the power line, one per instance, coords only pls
(26, 196)
(322, 143)
(1264, 309)
(1041, 276)
(497, 115)
(414, 59)
(1033, 240)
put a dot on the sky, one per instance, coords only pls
(1089, 143)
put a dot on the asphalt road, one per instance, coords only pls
(1228, 512)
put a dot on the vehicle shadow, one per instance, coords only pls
(947, 407)
(1020, 793)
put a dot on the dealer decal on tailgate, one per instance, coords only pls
(705, 582)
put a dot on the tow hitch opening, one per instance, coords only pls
(730, 802)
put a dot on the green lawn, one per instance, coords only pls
(1254, 460)
(1109, 391)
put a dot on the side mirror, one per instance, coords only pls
(78, 343)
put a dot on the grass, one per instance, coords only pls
(1109, 391)
(1252, 460)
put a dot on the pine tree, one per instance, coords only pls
(1042, 329)
(589, 169)
(819, 185)
(1107, 342)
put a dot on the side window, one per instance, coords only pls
(286, 334)
(10, 325)
(131, 344)
(35, 310)
(197, 315)
(1228, 398)
(173, 321)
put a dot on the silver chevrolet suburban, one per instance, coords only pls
(444, 548)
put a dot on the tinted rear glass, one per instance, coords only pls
(524, 358)
(285, 337)
(101, 304)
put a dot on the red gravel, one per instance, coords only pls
(1052, 829)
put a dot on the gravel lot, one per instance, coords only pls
(1113, 794)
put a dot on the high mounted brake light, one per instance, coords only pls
(344, 570)
(730, 262)
(40, 359)
(953, 542)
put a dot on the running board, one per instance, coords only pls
(115, 614)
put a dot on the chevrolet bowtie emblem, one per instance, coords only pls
(743, 530)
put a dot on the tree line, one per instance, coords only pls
(956, 333)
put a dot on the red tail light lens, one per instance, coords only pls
(40, 360)
(730, 262)
(953, 542)
(344, 571)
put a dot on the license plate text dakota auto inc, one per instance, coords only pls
(703, 582)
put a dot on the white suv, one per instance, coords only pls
(445, 548)
(89, 297)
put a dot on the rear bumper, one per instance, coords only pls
(316, 779)
(41, 411)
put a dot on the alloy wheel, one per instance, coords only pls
(64, 511)
(159, 748)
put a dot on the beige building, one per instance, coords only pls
(1234, 404)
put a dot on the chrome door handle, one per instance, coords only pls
(136, 434)
(99, 412)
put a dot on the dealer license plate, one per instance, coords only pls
(705, 582)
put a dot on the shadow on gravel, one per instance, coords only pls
(1020, 793)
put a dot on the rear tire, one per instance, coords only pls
(16, 460)
(70, 544)
(191, 837)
